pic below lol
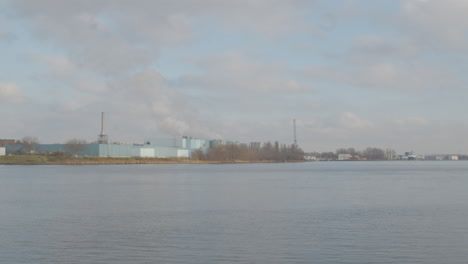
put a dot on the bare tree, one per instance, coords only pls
(350, 151)
(198, 155)
(74, 146)
(373, 154)
(268, 151)
(328, 155)
(30, 144)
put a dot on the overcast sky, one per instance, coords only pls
(387, 73)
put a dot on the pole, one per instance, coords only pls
(295, 137)
(102, 123)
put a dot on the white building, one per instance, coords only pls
(2, 151)
(310, 158)
(390, 154)
(344, 156)
(143, 152)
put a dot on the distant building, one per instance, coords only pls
(310, 158)
(390, 154)
(2, 151)
(410, 156)
(177, 147)
(344, 156)
(214, 143)
(159, 147)
(142, 152)
(104, 150)
(3, 142)
(255, 145)
(453, 158)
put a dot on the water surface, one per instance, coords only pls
(322, 212)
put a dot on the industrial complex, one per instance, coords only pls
(166, 147)
(186, 147)
(182, 147)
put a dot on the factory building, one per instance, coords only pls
(161, 148)
(344, 156)
(3, 142)
(142, 152)
(177, 147)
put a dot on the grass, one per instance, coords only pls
(68, 160)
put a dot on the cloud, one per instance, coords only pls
(411, 121)
(373, 48)
(91, 41)
(7, 36)
(396, 76)
(437, 24)
(352, 121)
(11, 93)
(117, 37)
(235, 72)
(421, 47)
(62, 72)
(109, 47)
(281, 18)
(91, 85)
(170, 111)
(60, 65)
(69, 106)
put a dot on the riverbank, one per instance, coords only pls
(66, 160)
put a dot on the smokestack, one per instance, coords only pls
(102, 123)
(295, 137)
(102, 139)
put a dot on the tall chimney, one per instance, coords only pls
(295, 137)
(102, 139)
(102, 123)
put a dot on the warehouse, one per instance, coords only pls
(162, 148)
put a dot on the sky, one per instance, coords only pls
(353, 73)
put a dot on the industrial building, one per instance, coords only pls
(162, 148)
(3, 142)
(154, 147)
(344, 156)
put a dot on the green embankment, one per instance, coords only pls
(67, 160)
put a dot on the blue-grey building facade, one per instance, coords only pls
(156, 147)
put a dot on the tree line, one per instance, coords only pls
(369, 153)
(266, 152)
(30, 145)
(255, 152)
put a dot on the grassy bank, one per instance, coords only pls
(66, 160)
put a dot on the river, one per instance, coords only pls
(316, 212)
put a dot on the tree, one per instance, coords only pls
(198, 155)
(74, 146)
(29, 144)
(373, 154)
(350, 151)
(328, 155)
(268, 151)
(341, 151)
(353, 152)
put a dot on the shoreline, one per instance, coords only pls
(67, 160)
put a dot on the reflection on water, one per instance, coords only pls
(324, 212)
